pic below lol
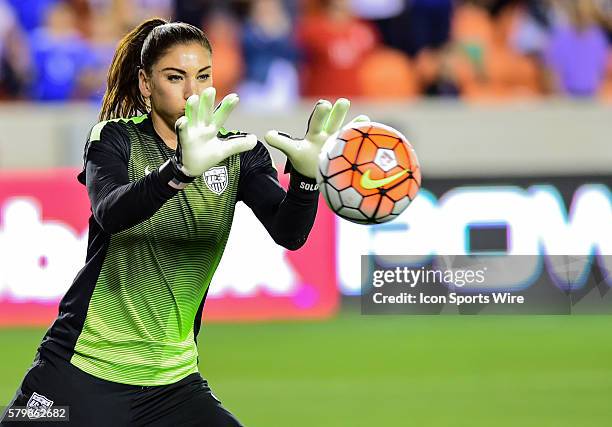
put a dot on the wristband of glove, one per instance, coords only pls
(171, 173)
(299, 182)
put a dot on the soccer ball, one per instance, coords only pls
(369, 174)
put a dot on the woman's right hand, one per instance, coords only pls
(199, 147)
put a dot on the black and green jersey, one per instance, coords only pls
(132, 314)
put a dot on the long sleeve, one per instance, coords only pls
(287, 216)
(116, 203)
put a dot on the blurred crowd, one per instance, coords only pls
(275, 51)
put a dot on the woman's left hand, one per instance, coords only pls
(324, 125)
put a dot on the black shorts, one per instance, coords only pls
(95, 402)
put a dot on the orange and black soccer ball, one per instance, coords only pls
(370, 174)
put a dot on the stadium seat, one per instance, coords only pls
(387, 74)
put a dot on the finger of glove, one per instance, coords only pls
(284, 143)
(224, 109)
(235, 145)
(317, 119)
(205, 108)
(180, 125)
(191, 108)
(337, 116)
(360, 119)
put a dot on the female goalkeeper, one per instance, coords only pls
(163, 186)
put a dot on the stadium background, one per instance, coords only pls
(515, 93)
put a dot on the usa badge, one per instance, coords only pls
(38, 405)
(216, 179)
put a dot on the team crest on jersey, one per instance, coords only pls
(38, 405)
(216, 179)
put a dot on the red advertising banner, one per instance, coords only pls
(43, 242)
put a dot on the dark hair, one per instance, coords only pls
(140, 49)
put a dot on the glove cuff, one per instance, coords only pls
(301, 183)
(170, 173)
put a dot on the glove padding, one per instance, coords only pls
(198, 147)
(323, 127)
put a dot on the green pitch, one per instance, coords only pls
(397, 371)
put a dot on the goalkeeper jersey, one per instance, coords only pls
(133, 312)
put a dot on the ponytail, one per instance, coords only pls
(122, 97)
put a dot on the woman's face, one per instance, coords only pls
(184, 70)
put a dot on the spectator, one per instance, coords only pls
(224, 33)
(194, 12)
(390, 18)
(438, 71)
(378, 9)
(473, 37)
(417, 25)
(267, 37)
(14, 64)
(495, 70)
(495, 7)
(428, 24)
(32, 13)
(578, 51)
(387, 74)
(334, 43)
(150, 8)
(603, 13)
(270, 53)
(84, 14)
(101, 44)
(59, 56)
(532, 32)
(606, 88)
(129, 13)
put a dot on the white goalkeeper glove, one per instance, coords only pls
(323, 127)
(198, 147)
